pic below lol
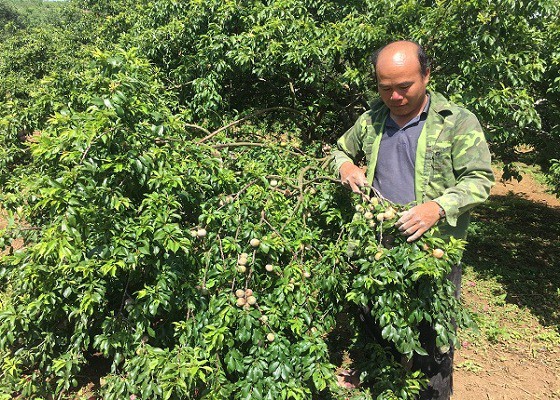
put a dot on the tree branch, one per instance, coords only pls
(255, 114)
(200, 128)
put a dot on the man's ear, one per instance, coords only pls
(427, 77)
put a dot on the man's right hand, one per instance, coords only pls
(352, 176)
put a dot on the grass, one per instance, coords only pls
(511, 282)
(515, 244)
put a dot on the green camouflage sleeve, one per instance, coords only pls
(349, 146)
(471, 167)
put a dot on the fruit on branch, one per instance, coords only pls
(438, 253)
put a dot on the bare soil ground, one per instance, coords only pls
(519, 367)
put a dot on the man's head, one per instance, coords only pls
(403, 73)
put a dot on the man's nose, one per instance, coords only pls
(396, 95)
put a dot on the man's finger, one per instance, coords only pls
(416, 235)
(403, 219)
(356, 189)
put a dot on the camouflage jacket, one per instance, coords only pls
(452, 159)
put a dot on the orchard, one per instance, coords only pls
(166, 167)
(197, 269)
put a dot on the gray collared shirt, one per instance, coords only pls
(394, 172)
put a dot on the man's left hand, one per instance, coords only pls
(414, 222)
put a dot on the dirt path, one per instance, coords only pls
(509, 371)
(527, 188)
(500, 374)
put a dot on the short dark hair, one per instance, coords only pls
(422, 57)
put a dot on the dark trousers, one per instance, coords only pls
(437, 366)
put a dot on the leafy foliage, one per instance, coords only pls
(137, 208)
(408, 281)
(554, 176)
(497, 59)
(10, 20)
(140, 247)
(221, 59)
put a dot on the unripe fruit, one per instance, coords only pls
(368, 215)
(273, 183)
(241, 302)
(242, 261)
(264, 319)
(252, 300)
(193, 233)
(438, 253)
(371, 224)
(378, 255)
(241, 269)
(269, 267)
(201, 232)
(239, 293)
(389, 214)
(255, 242)
(307, 274)
(380, 217)
(270, 337)
(374, 201)
(248, 292)
(359, 208)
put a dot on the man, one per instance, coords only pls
(423, 150)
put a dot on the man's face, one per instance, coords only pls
(401, 85)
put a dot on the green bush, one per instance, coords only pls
(136, 207)
(140, 247)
